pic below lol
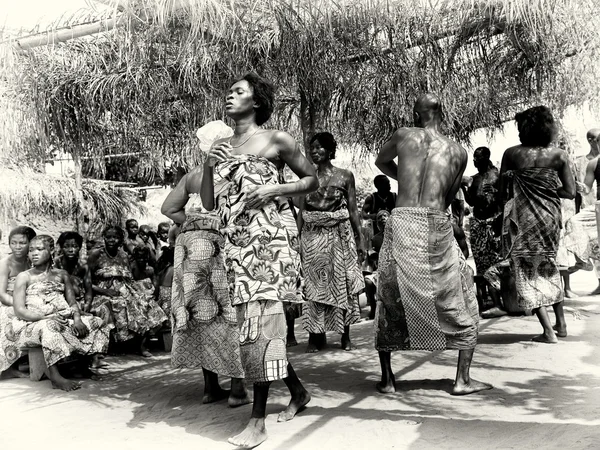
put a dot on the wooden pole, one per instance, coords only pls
(65, 34)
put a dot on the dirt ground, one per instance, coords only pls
(545, 396)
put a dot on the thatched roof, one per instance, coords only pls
(25, 192)
(354, 67)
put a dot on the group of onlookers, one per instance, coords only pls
(74, 296)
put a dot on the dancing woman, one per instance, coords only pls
(204, 324)
(330, 227)
(261, 240)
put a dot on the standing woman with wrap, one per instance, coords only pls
(329, 225)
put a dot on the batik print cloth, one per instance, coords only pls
(486, 243)
(263, 263)
(205, 329)
(134, 310)
(333, 277)
(531, 235)
(425, 295)
(164, 301)
(57, 341)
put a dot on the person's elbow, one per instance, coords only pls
(571, 192)
(167, 210)
(313, 184)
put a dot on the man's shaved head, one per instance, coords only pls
(593, 137)
(593, 134)
(428, 108)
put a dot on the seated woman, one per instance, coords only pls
(10, 267)
(133, 308)
(164, 281)
(47, 316)
(70, 244)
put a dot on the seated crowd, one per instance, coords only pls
(73, 301)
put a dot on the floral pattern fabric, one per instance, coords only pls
(134, 310)
(261, 246)
(57, 341)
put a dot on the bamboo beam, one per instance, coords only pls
(64, 34)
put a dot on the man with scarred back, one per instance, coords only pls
(425, 298)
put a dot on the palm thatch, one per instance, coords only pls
(352, 66)
(25, 192)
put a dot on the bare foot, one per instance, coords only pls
(290, 342)
(146, 354)
(297, 404)
(65, 385)
(546, 339)
(570, 294)
(387, 387)
(311, 348)
(346, 344)
(215, 396)
(461, 388)
(560, 332)
(595, 291)
(97, 363)
(235, 401)
(493, 312)
(254, 434)
(11, 372)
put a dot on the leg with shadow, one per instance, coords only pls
(213, 392)
(464, 384)
(387, 385)
(255, 432)
(300, 396)
(548, 336)
(561, 324)
(291, 335)
(239, 394)
(566, 279)
(370, 291)
(58, 381)
(346, 342)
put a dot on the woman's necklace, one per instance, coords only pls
(108, 254)
(247, 139)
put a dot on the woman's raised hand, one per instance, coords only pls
(218, 152)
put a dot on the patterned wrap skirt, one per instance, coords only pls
(425, 295)
(204, 324)
(333, 277)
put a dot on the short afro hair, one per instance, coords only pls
(327, 141)
(28, 232)
(116, 228)
(537, 127)
(68, 235)
(381, 181)
(263, 93)
(483, 152)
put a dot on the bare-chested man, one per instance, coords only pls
(425, 297)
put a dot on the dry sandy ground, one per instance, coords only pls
(545, 396)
